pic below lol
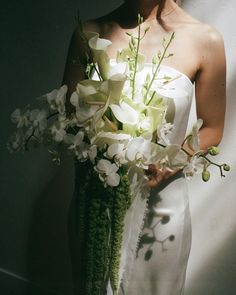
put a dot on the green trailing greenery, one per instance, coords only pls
(122, 202)
(101, 211)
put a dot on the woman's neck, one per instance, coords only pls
(150, 9)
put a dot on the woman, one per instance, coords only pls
(198, 56)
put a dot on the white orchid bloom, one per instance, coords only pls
(58, 129)
(116, 151)
(194, 140)
(180, 160)
(144, 124)
(172, 157)
(103, 138)
(107, 172)
(85, 152)
(16, 141)
(125, 113)
(99, 47)
(92, 153)
(156, 115)
(74, 99)
(39, 119)
(74, 140)
(138, 181)
(84, 112)
(57, 98)
(21, 119)
(163, 133)
(195, 166)
(82, 150)
(113, 87)
(93, 97)
(57, 132)
(88, 90)
(125, 55)
(142, 152)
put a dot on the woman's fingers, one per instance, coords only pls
(156, 175)
(155, 180)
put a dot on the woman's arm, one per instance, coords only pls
(211, 90)
(210, 86)
(75, 66)
(76, 61)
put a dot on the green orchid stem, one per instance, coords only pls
(205, 157)
(136, 59)
(215, 164)
(164, 146)
(28, 139)
(186, 139)
(200, 155)
(150, 100)
(159, 63)
(52, 115)
(33, 132)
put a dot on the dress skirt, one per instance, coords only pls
(159, 266)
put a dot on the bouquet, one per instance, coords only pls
(119, 128)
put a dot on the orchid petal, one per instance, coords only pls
(98, 47)
(74, 99)
(125, 113)
(194, 140)
(113, 179)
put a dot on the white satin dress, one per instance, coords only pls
(155, 261)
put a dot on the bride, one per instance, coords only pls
(199, 59)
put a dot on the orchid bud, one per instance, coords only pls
(154, 60)
(213, 150)
(205, 175)
(226, 167)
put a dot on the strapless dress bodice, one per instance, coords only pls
(177, 88)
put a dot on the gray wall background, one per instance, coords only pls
(35, 195)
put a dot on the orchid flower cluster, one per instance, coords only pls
(119, 118)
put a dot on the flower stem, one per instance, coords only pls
(34, 130)
(28, 139)
(213, 163)
(136, 56)
(52, 115)
(159, 63)
(220, 166)
(151, 98)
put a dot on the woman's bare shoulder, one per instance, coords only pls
(204, 34)
(206, 41)
(210, 36)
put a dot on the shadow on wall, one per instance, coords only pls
(48, 254)
(219, 268)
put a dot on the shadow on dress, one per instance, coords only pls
(149, 239)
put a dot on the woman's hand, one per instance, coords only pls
(157, 175)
